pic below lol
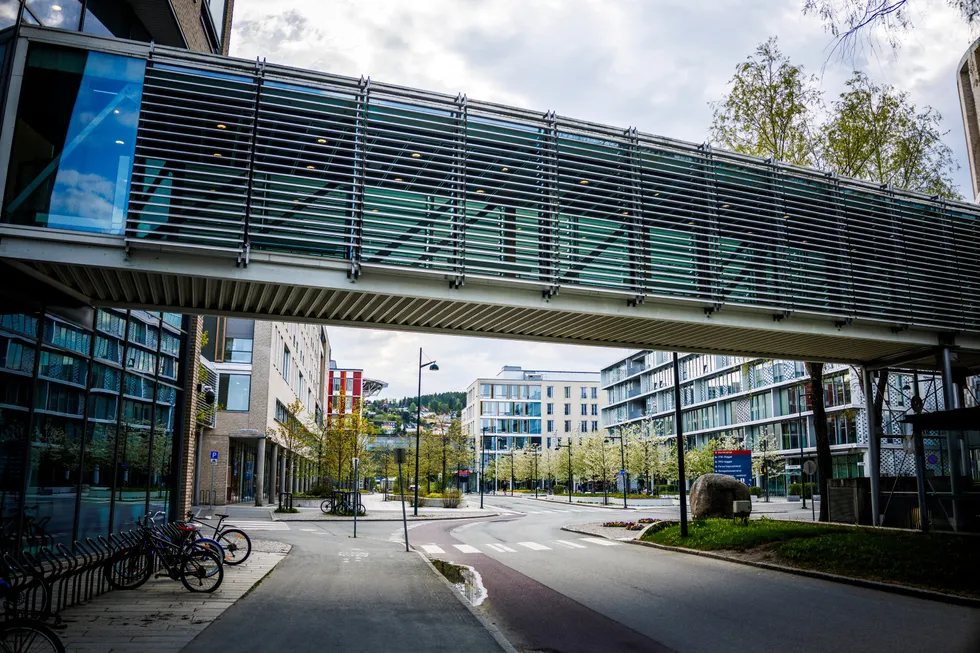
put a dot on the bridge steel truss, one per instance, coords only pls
(237, 158)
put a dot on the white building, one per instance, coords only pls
(749, 398)
(520, 408)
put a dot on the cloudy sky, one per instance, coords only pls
(652, 64)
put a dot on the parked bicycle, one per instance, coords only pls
(343, 503)
(235, 542)
(199, 567)
(19, 631)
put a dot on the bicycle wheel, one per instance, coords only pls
(28, 636)
(128, 569)
(28, 598)
(326, 506)
(201, 571)
(361, 510)
(237, 546)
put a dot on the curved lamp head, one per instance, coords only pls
(434, 367)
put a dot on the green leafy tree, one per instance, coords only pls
(293, 435)
(877, 134)
(770, 109)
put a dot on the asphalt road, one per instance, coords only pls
(560, 592)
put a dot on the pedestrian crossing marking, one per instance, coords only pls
(466, 548)
(572, 545)
(598, 540)
(258, 525)
(431, 548)
(534, 546)
(500, 548)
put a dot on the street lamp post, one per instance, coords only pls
(622, 458)
(535, 474)
(511, 469)
(605, 487)
(568, 447)
(418, 427)
(799, 423)
(482, 445)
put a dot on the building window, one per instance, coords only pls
(550, 391)
(584, 409)
(568, 392)
(584, 426)
(595, 410)
(595, 425)
(595, 393)
(282, 415)
(551, 409)
(550, 426)
(568, 426)
(233, 392)
(285, 364)
(568, 409)
(583, 392)
(238, 340)
(74, 140)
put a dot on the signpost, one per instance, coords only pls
(400, 458)
(214, 463)
(356, 497)
(734, 462)
(810, 468)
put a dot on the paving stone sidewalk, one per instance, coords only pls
(162, 615)
(597, 528)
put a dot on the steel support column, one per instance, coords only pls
(952, 437)
(259, 471)
(874, 449)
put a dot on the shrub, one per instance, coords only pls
(755, 491)
(323, 490)
(451, 498)
(559, 489)
(796, 488)
(667, 489)
(291, 511)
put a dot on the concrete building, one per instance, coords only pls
(94, 402)
(968, 81)
(347, 389)
(752, 399)
(519, 408)
(262, 368)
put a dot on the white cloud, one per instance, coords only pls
(652, 65)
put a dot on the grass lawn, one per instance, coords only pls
(948, 563)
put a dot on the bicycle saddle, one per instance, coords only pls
(218, 514)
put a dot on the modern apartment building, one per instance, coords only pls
(262, 368)
(94, 403)
(520, 408)
(747, 399)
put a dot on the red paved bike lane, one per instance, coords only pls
(532, 616)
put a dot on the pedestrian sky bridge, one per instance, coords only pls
(207, 184)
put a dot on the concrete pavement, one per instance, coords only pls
(336, 593)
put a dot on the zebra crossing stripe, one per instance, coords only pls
(431, 548)
(500, 548)
(466, 548)
(534, 546)
(572, 545)
(599, 541)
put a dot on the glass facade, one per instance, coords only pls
(74, 141)
(88, 417)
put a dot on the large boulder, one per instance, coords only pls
(712, 495)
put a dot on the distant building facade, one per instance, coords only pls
(521, 408)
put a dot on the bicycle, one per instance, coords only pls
(24, 634)
(199, 569)
(236, 545)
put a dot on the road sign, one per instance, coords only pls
(810, 467)
(464, 472)
(622, 472)
(737, 463)
(932, 459)
(214, 457)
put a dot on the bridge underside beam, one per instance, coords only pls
(314, 290)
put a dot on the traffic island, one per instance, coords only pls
(161, 615)
(936, 565)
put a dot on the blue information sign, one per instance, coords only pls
(737, 463)
(214, 455)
